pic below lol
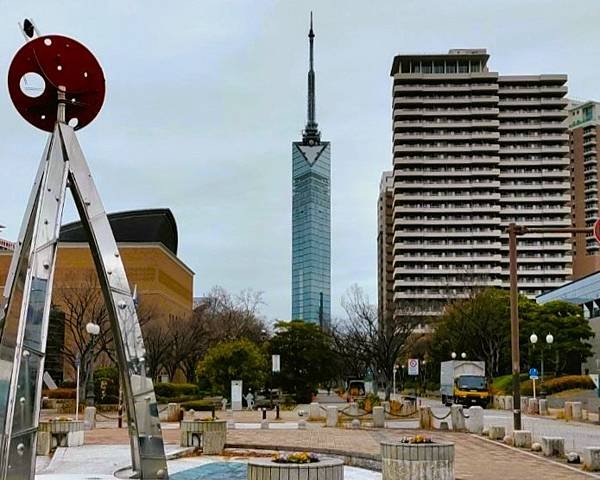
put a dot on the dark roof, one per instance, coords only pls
(136, 226)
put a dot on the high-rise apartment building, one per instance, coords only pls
(584, 129)
(474, 151)
(385, 259)
(311, 220)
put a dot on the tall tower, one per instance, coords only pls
(311, 219)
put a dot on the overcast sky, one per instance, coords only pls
(205, 97)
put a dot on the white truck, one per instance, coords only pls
(464, 382)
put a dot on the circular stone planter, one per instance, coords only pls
(325, 468)
(422, 461)
(210, 435)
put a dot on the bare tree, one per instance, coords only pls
(380, 348)
(79, 305)
(231, 317)
(157, 344)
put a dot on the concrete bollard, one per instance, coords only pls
(173, 412)
(89, 418)
(302, 425)
(356, 424)
(577, 411)
(458, 420)
(533, 407)
(378, 417)
(332, 416)
(568, 410)
(591, 459)
(524, 405)
(189, 414)
(553, 446)
(543, 406)
(425, 418)
(508, 403)
(264, 424)
(497, 432)
(475, 420)
(314, 411)
(522, 438)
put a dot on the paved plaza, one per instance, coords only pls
(475, 456)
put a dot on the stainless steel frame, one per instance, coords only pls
(25, 308)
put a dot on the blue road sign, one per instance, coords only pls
(533, 373)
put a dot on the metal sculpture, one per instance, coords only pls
(68, 96)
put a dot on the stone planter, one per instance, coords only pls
(209, 435)
(59, 433)
(424, 461)
(326, 468)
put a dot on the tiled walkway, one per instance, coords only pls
(476, 458)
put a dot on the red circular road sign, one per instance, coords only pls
(597, 230)
(49, 64)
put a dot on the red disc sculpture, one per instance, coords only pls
(48, 65)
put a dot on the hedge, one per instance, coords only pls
(171, 390)
(199, 405)
(560, 384)
(60, 393)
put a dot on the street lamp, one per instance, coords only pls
(549, 341)
(463, 355)
(453, 355)
(93, 330)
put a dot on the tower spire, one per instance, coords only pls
(311, 131)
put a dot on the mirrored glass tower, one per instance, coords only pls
(311, 220)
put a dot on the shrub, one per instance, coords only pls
(60, 393)
(560, 384)
(199, 405)
(370, 401)
(172, 390)
(106, 384)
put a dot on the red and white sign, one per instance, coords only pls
(597, 230)
(413, 366)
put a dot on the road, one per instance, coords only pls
(577, 435)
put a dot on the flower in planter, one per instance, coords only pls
(297, 457)
(417, 439)
(61, 419)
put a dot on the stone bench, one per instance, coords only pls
(59, 433)
(553, 446)
(424, 461)
(591, 459)
(208, 434)
(325, 468)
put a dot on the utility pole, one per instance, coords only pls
(513, 231)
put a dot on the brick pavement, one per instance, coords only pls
(476, 458)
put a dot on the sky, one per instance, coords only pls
(204, 99)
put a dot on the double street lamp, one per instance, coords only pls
(463, 355)
(549, 340)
